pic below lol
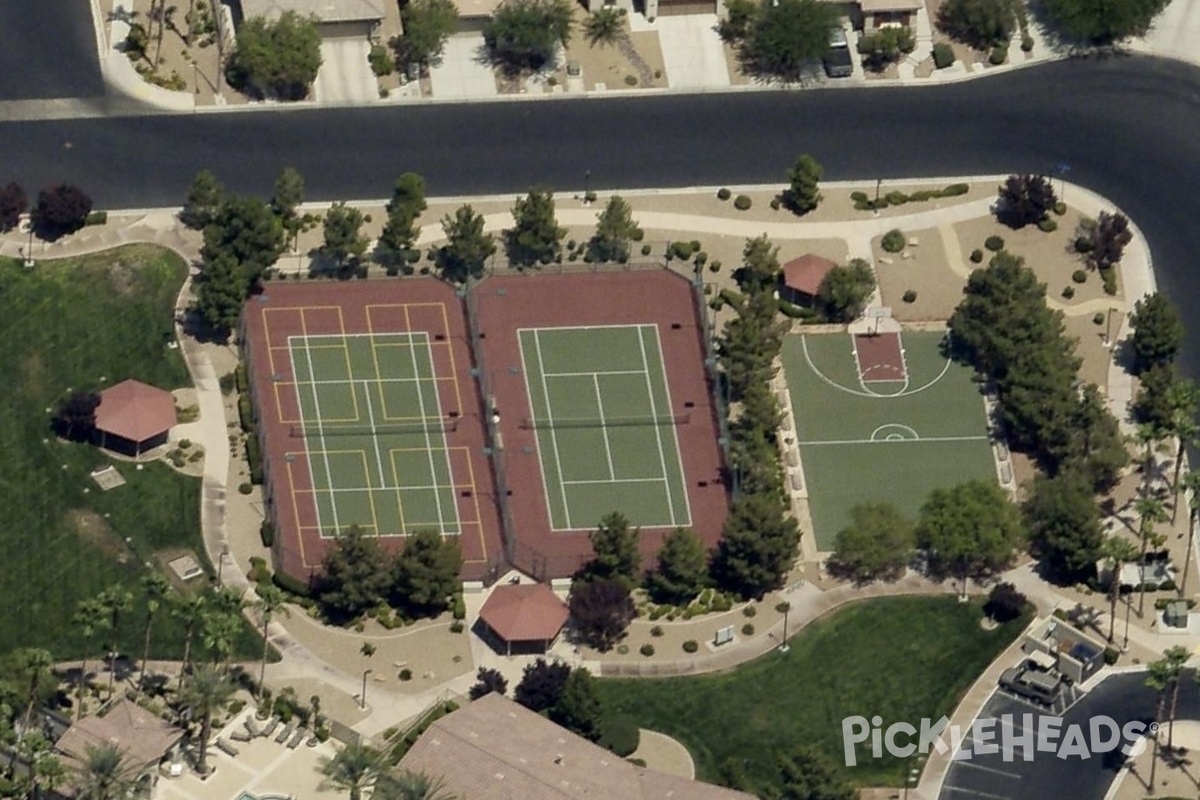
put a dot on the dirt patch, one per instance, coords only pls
(1090, 348)
(926, 271)
(635, 54)
(94, 529)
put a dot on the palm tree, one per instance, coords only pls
(1192, 486)
(271, 601)
(207, 692)
(105, 774)
(1149, 438)
(115, 600)
(1163, 677)
(603, 26)
(1118, 552)
(157, 590)
(48, 773)
(89, 616)
(409, 785)
(190, 610)
(1151, 512)
(221, 630)
(34, 663)
(1182, 397)
(354, 769)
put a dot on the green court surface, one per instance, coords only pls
(887, 441)
(375, 446)
(606, 433)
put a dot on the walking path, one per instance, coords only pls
(386, 708)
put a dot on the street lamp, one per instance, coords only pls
(1128, 608)
(362, 700)
(783, 647)
(221, 561)
(587, 187)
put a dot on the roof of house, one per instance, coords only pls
(524, 612)
(474, 9)
(495, 749)
(135, 411)
(804, 274)
(323, 10)
(141, 736)
(882, 6)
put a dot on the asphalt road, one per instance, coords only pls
(48, 50)
(1121, 697)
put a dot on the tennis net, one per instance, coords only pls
(605, 422)
(326, 431)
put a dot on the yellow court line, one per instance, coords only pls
(475, 499)
(349, 369)
(296, 509)
(453, 367)
(383, 404)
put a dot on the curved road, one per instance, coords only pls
(1126, 125)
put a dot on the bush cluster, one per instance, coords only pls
(943, 55)
(994, 243)
(896, 198)
(893, 241)
(742, 202)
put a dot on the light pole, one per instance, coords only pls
(1128, 608)
(363, 699)
(587, 187)
(221, 562)
(783, 647)
(29, 250)
(1108, 328)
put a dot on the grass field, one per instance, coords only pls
(890, 441)
(66, 324)
(605, 425)
(902, 658)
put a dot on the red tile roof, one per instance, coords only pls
(524, 613)
(804, 274)
(135, 411)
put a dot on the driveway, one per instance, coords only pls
(345, 75)
(692, 51)
(462, 73)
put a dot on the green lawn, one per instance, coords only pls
(83, 324)
(902, 658)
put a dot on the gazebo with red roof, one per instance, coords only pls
(528, 615)
(134, 417)
(802, 278)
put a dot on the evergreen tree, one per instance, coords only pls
(682, 571)
(353, 575)
(204, 198)
(615, 229)
(878, 543)
(1025, 200)
(601, 610)
(467, 249)
(220, 292)
(246, 228)
(615, 552)
(425, 573)
(758, 545)
(1063, 522)
(803, 193)
(344, 243)
(289, 194)
(1157, 332)
(845, 290)
(401, 231)
(578, 708)
(541, 684)
(970, 530)
(535, 237)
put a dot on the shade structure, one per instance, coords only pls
(134, 415)
(804, 274)
(524, 613)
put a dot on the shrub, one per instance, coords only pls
(1098, 318)
(723, 193)
(245, 413)
(457, 626)
(715, 266)
(956, 190)
(748, 629)
(1083, 244)
(96, 218)
(690, 646)
(266, 532)
(406, 674)
(858, 197)
(245, 488)
(897, 198)
(1111, 654)
(60, 210)
(1068, 292)
(909, 296)
(783, 606)
(775, 203)
(631, 80)
(1047, 225)
(1060, 208)
(657, 630)
(1110, 286)
(742, 202)
(1027, 43)
(998, 55)
(1079, 276)
(291, 585)
(620, 734)
(943, 55)
(647, 650)
(646, 249)
(893, 241)
(254, 460)
(994, 243)
(459, 607)
(749, 611)
(1004, 603)
(976, 256)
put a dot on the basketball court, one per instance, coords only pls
(882, 417)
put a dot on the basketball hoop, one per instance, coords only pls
(877, 313)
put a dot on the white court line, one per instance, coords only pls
(687, 504)
(612, 473)
(353, 489)
(618, 480)
(412, 352)
(586, 374)
(343, 336)
(359, 380)
(374, 439)
(320, 431)
(662, 456)
(899, 441)
(537, 341)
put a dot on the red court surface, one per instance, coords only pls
(880, 357)
(659, 297)
(284, 310)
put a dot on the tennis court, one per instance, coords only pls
(605, 426)
(882, 417)
(372, 433)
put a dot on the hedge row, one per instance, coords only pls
(410, 738)
(898, 198)
(254, 460)
(245, 413)
(241, 378)
(292, 585)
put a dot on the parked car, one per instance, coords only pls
(1032, 684)
(839, 63)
